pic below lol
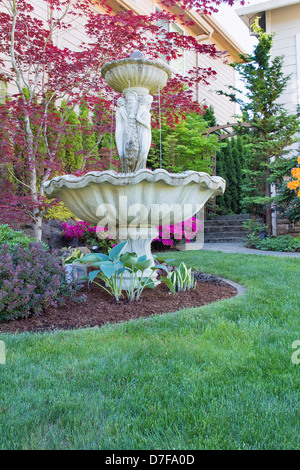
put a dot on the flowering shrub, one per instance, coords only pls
(181, 232)
(294, 184)
(79, 231)
(30, 280)
(87, 234)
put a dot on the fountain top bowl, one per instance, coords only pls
(136, 73)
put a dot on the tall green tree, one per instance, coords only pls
(229, 166)
(183, 146)
(272, 130)
(72, 145)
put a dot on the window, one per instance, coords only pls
(176, 64)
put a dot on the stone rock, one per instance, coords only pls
(282, 229)
(84, 250)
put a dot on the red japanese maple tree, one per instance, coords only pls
(41, 72)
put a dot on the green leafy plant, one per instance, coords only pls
(137, 281)
(75, 256)
(255, 227)
(12, 238)
(184, 146)
(281, 243)
(58, 212)
(258, 231)
(111, 270)
(180, 280)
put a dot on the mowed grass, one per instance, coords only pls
(216, 377)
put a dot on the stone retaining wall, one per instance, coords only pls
(286, 227)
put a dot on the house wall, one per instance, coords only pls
(206, 94)
(224, 108)
(285, 22)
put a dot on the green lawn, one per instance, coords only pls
(216, 377)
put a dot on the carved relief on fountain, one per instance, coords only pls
(135, 77)
(133, 130)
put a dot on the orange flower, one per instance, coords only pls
(293, 185)
(296, 173)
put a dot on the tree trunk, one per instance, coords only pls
(38, 228)
(268, 206)
(38, 219)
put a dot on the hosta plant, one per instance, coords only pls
(74, 256)
(122, 272)
(180, 280)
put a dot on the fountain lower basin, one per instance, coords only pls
(155, 197)
(134, 205)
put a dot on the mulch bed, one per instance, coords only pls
(101, 308)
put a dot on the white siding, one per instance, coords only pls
(285, 22)
(224, 109)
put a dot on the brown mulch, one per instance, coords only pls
(101, 308)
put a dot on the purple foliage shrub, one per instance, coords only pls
(31, 279)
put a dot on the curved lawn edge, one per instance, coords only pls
(241, 290)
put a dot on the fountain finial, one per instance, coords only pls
(137, 55)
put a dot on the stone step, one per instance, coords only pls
(236, 233)
(222, 223)
(224, 228)
(223, 239)
(230, 217)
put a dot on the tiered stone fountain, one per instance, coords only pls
(137, 200)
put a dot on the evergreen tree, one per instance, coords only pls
(236, 157)
(272, 129)
(230, 163)
(71, 141)
(184, 147)
(89, 140)
(223, 202)
(209, 117)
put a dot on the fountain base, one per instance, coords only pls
(139, 241)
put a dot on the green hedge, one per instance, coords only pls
(12, 238)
